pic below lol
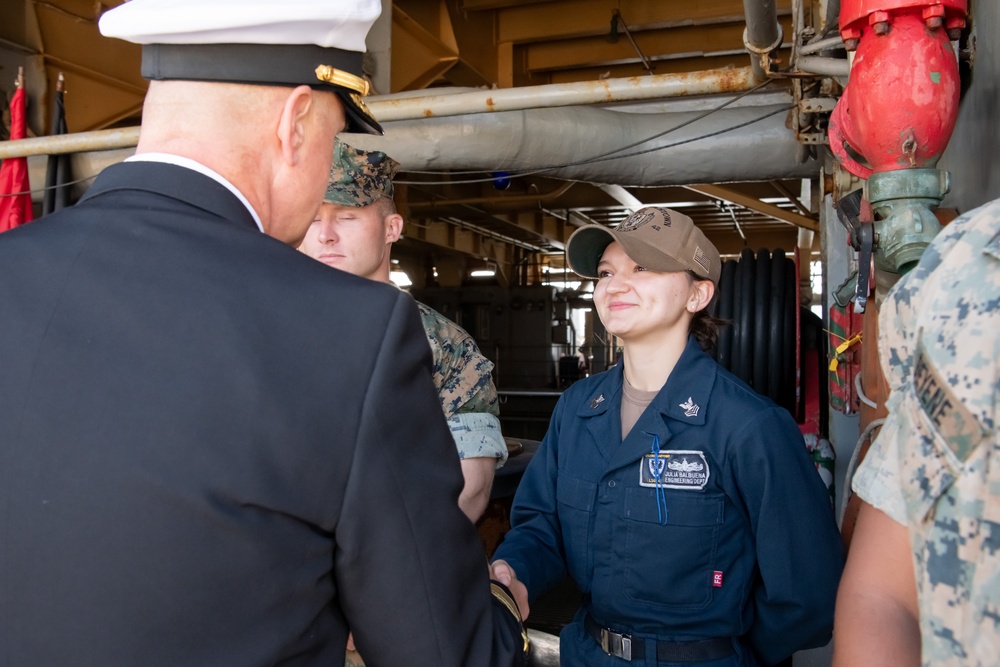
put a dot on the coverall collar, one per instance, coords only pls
(683, 399)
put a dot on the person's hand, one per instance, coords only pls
(504, 573)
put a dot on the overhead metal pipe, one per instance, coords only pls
(78, 142)
(822, 45)
(824, 66)
(762, 34)
(622, 196)
(585, 144)
(388, 108)
(569, 144)
(656, 86)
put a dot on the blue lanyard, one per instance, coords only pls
(657, 472)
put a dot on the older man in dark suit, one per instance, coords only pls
(214, 450)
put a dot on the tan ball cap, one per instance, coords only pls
(655, 238)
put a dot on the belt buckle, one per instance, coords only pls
(616, 644)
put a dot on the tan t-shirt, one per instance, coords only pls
(634, 402)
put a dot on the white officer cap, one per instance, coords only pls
(318, 43)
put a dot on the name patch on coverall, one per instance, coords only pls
(674, 469)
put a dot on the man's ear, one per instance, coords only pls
(393, 227)
(701, 295)
(293, 123)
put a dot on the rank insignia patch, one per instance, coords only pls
(690, 408)
(675, 469)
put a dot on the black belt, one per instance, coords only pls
(625, 647)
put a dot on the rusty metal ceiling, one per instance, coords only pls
(469, 43)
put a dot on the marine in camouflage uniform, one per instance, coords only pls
(462, 375)
(935, 466)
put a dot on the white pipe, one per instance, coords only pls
(822, 45)
(77, 142)
(622, 196)
(824, 66)
(388, 108)
(569, 138)
(656, 86)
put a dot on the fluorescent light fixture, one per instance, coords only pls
(483, 273)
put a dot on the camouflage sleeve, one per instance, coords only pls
(477, 434)
(877, 480)
(462, 375)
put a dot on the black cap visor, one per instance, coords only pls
(265, 65)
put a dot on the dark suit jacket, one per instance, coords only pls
(215, 450)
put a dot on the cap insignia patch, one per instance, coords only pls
(636, 220)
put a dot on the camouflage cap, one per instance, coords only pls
(359, 178)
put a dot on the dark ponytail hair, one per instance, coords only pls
(704, 326)
(705, 329)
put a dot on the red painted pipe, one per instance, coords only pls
(899, 109)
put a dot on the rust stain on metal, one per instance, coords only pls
(608, 95)
(719, 80)
(489, 103)
(732, 80)
(428, 113)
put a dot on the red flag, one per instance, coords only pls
(15, 196)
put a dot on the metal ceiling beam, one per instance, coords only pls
(734, 197)
(663, 44)
(497, 200)
(420, 56)
(459, 236)
(577, 18)
(693, 63)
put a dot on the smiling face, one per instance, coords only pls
(636, 304)
(356, 239)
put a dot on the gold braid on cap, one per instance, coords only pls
(339, 77)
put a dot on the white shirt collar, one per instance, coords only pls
(188, 163)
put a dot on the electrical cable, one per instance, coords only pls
(861, 393)
(34, 191)
(851, 465)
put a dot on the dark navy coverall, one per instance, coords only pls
(724, 530)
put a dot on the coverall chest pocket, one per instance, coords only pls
(575, 498)
(671, 564)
